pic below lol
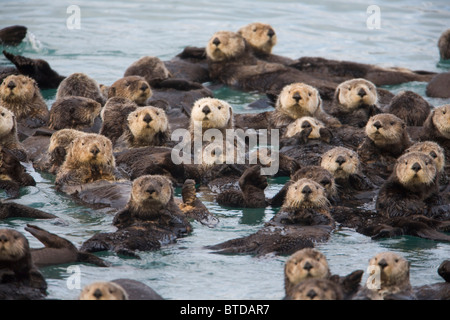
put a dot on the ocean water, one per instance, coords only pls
(112, 35)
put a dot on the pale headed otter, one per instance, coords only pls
(410, 107)
(73, 112)
(152, 69)
(444, 45)
(341, 162)
(437, 128)
(299, 100)
(225, 45)
(354, 102)
(21, 95)
(212, 113)
(8, 134)
(432, 149)
(59, 143)
(146, 126)
(260, 36)
(316, 289)
(134, 88)
(411, 189)
(89, 158)
(80, 85)
(304, 129)
(304, 264)
(103, 290)
(393, 281)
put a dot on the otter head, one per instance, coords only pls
(150, 68)
(151, 191)
(60, 141)
(304, 264)
(432, 149)
(298, 100)
(225, 45)
(13, 245)
(73, 112)
(91, 149)
(305, 123)
(355, 92)
(306, 193)
(415, 169)
(147, 121)
(341, 162)
(385, 129)
(393, 269)
(316, 289)
(260, 36)
(444, 45)
(103, 290)
(16, 88)
(134, 88)
(212, 113)
(320, 175)
(7, 122)
(441, 120)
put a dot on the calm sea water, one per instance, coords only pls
(112, 35)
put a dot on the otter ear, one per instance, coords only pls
(111, 92)
(336, 94)
(319, 100)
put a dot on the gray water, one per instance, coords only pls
(112, 35)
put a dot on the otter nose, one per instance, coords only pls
(3, 238)
(377, 125)
(97, 294)
(433, 154)
(340, 160)
(216, 41)
(306, 190)
(306, 124)
(95, 151)
(11, 85)
(311, 294)
(151, 189)
(361, 93)
(147, 118)
(416, 167)
(144, 87)
(383, 264)
(206, 110)
(297, 97)
(308, 266)
(270, 33)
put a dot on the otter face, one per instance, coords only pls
(260, 36)
(213, 113)
(441, 120)
(356, 92)
(298, 100)
(385, 129)
(93, 149)
(316, 289)
(341, 162)
(103, 291)
(394, 269)
(134, 88)
(17, 88)
(7, 121)
(304, 264)
(432, 149)
(225, 45)
(151, 190)
(13, 245)
(145, 122)
(304, 123)
(306, 193)
(320, 175)
(415, 169)
(73, 112)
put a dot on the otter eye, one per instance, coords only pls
(136, 115)
(396, 260)
(3, 114)
(82, 143)
(309, 94)
(443, 111)
(254, 30)
(406, 162)
(157, 113)
(219, 107)
(392, 123)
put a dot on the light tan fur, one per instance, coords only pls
(296, 198)
(225, 45)
(8, 130)
(298, 126)
(220, 115)
(347, 94)
(25, 99)
(103, 290)
(432, 149)
(391, 131)
(341, 162)
(441, 120)
(317, 289)
(260, 36)
(150, 192)
(409, 177)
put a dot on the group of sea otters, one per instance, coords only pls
(356, 155)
